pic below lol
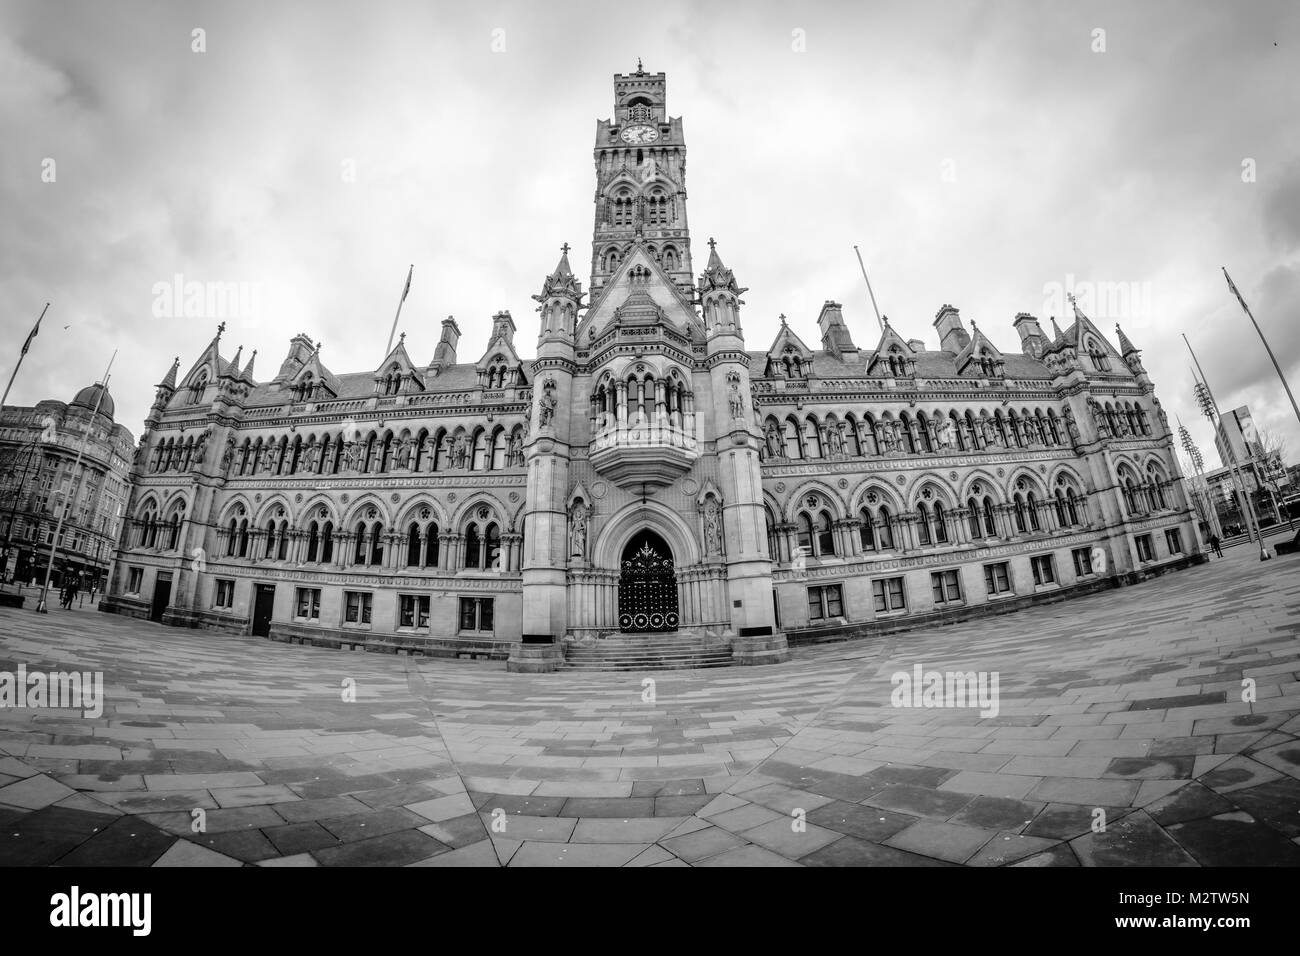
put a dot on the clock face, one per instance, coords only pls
(640, 134)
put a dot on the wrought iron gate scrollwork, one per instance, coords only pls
(647, 587)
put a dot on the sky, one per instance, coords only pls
(988, 155)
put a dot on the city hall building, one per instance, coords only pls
(648, 471)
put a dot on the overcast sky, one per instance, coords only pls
(982, 154)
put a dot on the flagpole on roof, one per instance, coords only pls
(1278, 368)
(26, 345)
(393, 331)
(879, 321)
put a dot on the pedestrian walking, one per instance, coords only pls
(1214, 543)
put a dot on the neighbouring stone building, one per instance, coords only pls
(39, 472)
(647, 471)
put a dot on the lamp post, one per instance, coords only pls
(1205, 398)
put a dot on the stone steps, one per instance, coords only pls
(647, 652)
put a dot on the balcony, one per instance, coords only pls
(649, 450)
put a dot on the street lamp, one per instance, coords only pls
(1199, 492)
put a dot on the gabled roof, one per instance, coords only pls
(889, 341)
(678, 309)
(978, 345)
(317, 370)
(403, 361)
(787, 338)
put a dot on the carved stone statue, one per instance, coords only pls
(944, 434)
(889, 438)
(1071, 425)
(836, 439)
(460, 451)
(546, 405)
(712, 527)
(1099, 418)
(201, 447)
(578, 531)
(736, 402)
(773, 442)
(228, 456)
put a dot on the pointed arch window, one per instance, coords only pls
(923, 525)
(867, 532)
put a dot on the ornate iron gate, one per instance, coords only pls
(647, 587)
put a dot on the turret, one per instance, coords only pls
(560, 298)
(720, 296)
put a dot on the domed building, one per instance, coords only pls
(648, 480)
(39, 472)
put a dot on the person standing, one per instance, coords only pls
(1214, 543)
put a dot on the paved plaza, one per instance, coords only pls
(1123, 708)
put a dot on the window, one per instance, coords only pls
(134, 580)
(825, 602)
(888, 594)
(356, 607)
(1146, 551)
(476, 614)
(1082, 561)
(1044, 566)
(414, 611)
(307, 604)
(946, 586)
(225, 594)
(997, 579)
(1174, 540)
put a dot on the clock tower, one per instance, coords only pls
(640, 183)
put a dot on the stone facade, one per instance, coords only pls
(645, 471)
(39, 470)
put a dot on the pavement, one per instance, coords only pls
(1150, 725)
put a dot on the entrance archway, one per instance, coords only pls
(647, 585)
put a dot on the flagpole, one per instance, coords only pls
(393, 331)
(869, 292)
(26, 345)
(1272, 358)
(66, 505)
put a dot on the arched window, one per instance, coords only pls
(793, 447)
(825, 541)
(1032, 503)
(431, 545)
(773, 548)
(990, 524)
(359, 552)
(973, 517)
(1071, 506)
(413, 546)
(282, 551)
(805, 532)
(327, 543)
(313, 542)
(886, 529)
(231, 539)
(243, 538)
(376, 543)
(473, 546)
(1019, 512)
(851, 443)
(868, 531)
(498, 457)
(812, 441)
(270, 540)
(923, 525)
(1061, 512)
(909, 439)
(940, 525)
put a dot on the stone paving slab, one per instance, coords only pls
(1124, 705)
